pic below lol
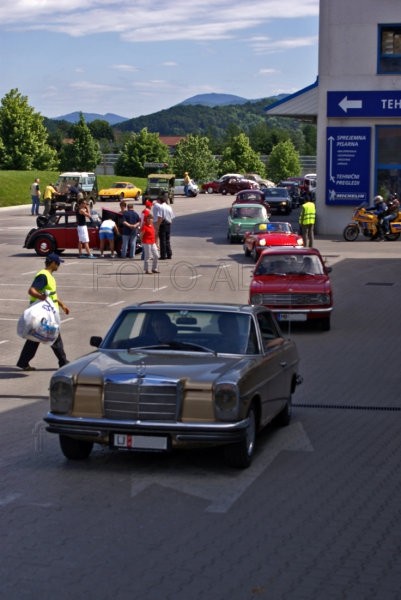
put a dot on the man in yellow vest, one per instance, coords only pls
(44, 285)
(307, 220)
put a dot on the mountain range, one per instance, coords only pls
(73, 117)
(209, 100)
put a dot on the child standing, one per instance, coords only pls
(148, 239)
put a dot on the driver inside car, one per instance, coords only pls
(162, 330)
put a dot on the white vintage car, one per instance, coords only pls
(193, 189)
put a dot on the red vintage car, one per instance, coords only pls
(294, 283)
(265, 235)
(233, 185)
(58, 232)
(213, 186)
(253, 197)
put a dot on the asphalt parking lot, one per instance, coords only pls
(316, 516)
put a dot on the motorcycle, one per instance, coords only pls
(365, 222)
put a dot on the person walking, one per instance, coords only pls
(130, 225)
(148, 239)
(50, 192)
(164, 227)
(83, 213)
(43, 285)
(35, 197)
(307, 220)
(187, 181)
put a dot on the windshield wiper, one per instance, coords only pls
(175, 346)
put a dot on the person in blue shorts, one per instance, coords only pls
(106, 234)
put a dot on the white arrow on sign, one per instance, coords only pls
(331, 176)
(345, 104)
(223, 488)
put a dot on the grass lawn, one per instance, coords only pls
(15, 186)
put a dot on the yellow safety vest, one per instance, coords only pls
(50, 286)
(308, 213)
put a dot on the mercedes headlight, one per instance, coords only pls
(61, 395)
(226, 400)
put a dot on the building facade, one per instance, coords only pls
(356, 103)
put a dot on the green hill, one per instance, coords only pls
(213, 121)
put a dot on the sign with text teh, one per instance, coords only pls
(347, 165)
(364, 104)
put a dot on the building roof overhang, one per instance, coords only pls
(301, 105)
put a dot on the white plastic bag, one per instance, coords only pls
(40, 322)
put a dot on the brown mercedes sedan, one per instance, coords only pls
(171, 375)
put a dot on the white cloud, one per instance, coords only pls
(125, 68)
(266, 45)
(148, 20)
(268, 71)
(89, 86)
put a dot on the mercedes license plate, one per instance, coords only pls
(140, 442)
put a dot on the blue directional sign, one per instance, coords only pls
(364, 104)
(347, 165)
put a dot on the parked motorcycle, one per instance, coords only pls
(366, 223)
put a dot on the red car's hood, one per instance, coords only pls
(278, 239)
(283, 284)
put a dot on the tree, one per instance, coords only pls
(140, 148)
(23, 136)
(83, 154)
(193, 154)
(283, 161)
(101, 130)
(241, 158)
(310, 135)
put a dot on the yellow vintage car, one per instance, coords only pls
(121, 190)
(171, 375)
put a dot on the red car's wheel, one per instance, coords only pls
(45, 244)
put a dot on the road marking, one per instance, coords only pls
(223, 489)
(5, 341)
(117, 303)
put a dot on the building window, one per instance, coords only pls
(389, 49)
(388, 160)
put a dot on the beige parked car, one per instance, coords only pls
(171, 375)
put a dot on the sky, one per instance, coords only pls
(137, 57)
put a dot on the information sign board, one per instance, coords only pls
(347, 165)
(364, 104)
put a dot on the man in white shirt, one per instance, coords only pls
(165, 216)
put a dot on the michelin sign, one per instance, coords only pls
(347, 165)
